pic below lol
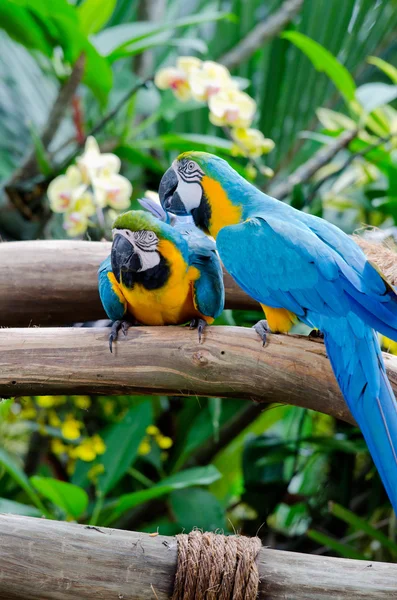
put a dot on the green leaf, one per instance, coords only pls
(122, 441)
(342, 549)
(374, 95)
(187, 478)
(359, 524)
(197, 508)
(70, 498)
(164, 39)
(324, 62)
(21, 479)
(16, 508)
(41, 154)
(189, 141)
(5, 407)
(384, 66)
(94, 14)
(115, 40)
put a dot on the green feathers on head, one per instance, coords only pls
(139, 220)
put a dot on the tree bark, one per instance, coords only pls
(50, 560)
(55, 283)
(230, 363)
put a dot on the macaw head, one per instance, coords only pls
(139, 248)
(200, 184)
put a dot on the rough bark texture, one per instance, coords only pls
(230, 362)
(41, 560)
(55, 283)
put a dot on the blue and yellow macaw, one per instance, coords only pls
(159, 275)
(301, 267)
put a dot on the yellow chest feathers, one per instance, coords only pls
(171, 304)
(223, 211)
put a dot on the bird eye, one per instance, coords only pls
(190, 166)
(150, 235)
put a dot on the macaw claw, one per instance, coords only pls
(200, 324)
(316, 334)
(114, 332)
(262, 329)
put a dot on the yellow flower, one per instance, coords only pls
(144, 447)
(231, 107)
(209, 80)
(164, 442)
(53, 419)
(75, 224)
(177, 78)
(266, 171)
(58, 447)
(82, 402)
(174, 79)
(28, 413)
(85, 451)
(85, 205)
(112, 190)
(91, 163)
(70, 467)
(108, 407)
(46, 401)
(250, 142)
(95, 471)
(71, 428)
(152, 430)
(64, 190)
(98, 444)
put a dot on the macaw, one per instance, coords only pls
(299, 266)
(157, 274)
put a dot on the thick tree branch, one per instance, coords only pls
(54, 282)
(43, 559)
(230, 363)
(262, 33)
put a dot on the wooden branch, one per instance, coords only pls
(230, 363)
(55, 283)
(262, 33)
(51, 560)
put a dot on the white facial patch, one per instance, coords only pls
(189, 188)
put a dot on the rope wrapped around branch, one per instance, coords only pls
(216, 567)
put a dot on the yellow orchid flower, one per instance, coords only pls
(209, 80)
(111, 189)
(75, 223)
(64, 190)
(250, 142)
(177, 78)
(91, 163)
(71, 428)
(231, 107)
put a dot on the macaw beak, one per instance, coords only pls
(169, 197)
(123, 256)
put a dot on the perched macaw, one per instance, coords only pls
(159, 275)
(301, 267)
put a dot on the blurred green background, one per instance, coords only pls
(300, 479)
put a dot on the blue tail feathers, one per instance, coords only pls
(356, 359)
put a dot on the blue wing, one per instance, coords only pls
(309, 270)
(111, 300)
(323, 277)
(209, 291)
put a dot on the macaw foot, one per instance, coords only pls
(114, 332)
(316, 334)
(200, 324)
(262, 329)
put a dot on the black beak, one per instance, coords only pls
(169, 197)
(123, 256)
